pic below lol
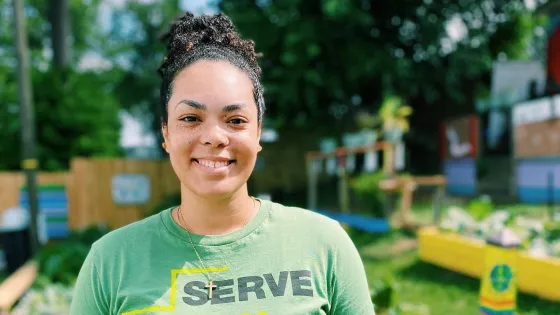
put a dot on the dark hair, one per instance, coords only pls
(214, 37)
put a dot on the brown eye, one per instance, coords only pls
(190, 119)
(237, 121)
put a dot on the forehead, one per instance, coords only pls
(213, 83)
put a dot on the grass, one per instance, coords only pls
(436, 290)
(426, 287)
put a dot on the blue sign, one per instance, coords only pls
(130, 189)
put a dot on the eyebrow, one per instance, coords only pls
(191, 103)
(200, 106)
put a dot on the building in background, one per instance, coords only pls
(516, 151)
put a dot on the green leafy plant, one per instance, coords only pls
(394, 114)
(60, 262)
(552, 231)
(368, 193)
(77, 116)
(480, 208)
(386, 300)
(384, 294)
(392, 118)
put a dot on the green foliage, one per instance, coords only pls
(61, 262)
(325, 61)
(383, 294)
(75, 114)
(480, 208)
(368, 193)
(9, 120)
(552, 231)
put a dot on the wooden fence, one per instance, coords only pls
(12, 182)
(89, 188)
(90, 197)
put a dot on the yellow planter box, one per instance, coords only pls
(537, 276)
(451, 251)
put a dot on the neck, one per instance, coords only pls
(213, 216)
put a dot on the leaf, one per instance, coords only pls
(313, 50)
(404, 111)
(403, 125)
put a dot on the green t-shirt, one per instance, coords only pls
(285, 261)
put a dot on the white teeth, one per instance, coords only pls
(212, 164)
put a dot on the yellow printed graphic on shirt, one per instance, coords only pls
(194, 293)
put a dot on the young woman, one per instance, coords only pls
(220, 251)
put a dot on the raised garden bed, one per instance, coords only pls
(538, 276)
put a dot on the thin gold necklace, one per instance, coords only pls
(210, 286)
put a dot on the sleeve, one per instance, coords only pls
(89, 297)
(350, 293)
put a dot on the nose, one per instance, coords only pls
(214, 136)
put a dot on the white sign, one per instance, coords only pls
(130, 189)
(399, 157)
(535, 111)
(370, 161)
(456, 148)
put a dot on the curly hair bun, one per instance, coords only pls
(190, 32)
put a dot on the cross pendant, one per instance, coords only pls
(210, 286)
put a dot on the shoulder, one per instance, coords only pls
(307, 221)
(128, 236)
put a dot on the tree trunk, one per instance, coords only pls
(60, 32)
(27, 114)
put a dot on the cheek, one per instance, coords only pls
(250, 148)
(181, 144)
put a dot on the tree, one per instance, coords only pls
(76, 113)
(325, 61)
(84, 122)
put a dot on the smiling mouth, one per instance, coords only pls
(213, 164)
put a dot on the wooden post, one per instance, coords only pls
(388, 159)
(343, 190)
(407, 191)
(29, 160)
(311, 185)
(343, 194)
(388, 169)
(436, 203)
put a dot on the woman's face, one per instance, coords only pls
(212, 134)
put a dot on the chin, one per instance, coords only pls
(213, 189)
